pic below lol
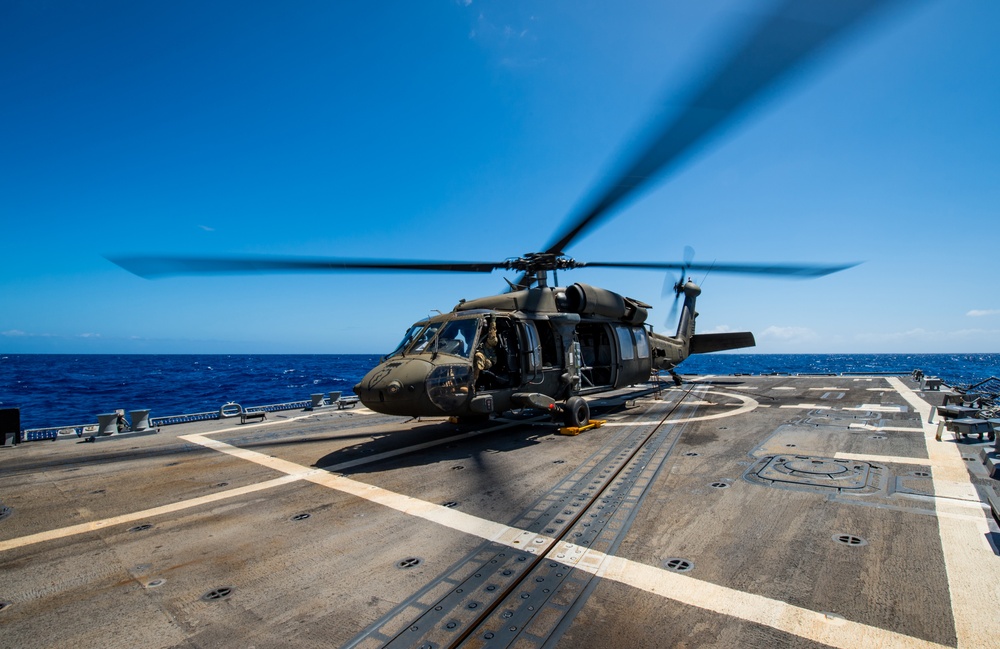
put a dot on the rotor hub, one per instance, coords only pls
(534, 262)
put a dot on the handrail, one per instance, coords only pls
(79, 430)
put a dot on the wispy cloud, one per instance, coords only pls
(978, 313)
(920, 335)
(917, 333)
(206, 228)
(511, 37)
(18, 333)
(790, 334)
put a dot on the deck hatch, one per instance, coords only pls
(817, 474)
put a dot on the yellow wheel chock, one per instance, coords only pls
(576, 430)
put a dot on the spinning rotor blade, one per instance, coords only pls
(783, 41)
(677, 287)
(151, 267)
(672, 316)
(786, 270)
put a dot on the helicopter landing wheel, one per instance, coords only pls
(577, 412)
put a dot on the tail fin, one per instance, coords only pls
(705, 343)
(685, 326)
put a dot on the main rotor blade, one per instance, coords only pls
(151, 267)
(788, 270)
(782, 42)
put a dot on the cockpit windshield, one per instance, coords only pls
(456, 337)
(425, 336)
(408, 339)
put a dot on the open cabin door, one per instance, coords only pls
(598, 368)
(505, 364)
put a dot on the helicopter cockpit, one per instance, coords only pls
(454, 337)
(441, 362)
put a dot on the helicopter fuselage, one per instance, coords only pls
(536, 348)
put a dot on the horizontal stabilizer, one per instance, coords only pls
(705, 343)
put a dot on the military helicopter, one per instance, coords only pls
(547, 347)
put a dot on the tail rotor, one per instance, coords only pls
(678, 287)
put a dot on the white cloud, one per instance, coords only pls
(790, 334)
(978, 313)
(910, 334)
(206, 228)
(17, 333)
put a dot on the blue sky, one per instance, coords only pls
(470, 131)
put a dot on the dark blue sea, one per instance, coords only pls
(66, 389)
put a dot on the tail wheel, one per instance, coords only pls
(577, 412)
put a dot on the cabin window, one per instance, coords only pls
(550, 351)
(641, 342)
(534, 349)
(625, 342)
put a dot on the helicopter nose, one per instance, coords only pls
(395, 387)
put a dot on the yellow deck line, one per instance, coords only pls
(972, 567)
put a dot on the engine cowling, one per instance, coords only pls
(590, 300)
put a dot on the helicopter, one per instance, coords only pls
(545, 347)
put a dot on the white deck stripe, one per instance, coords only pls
(962, 490)
(809, 406)
(891, 429)
(795, 620)
(875, 407)
(146, 514)
(746, 405)
(754, 608)
(880, 459)
(973, 570)
(687, 590)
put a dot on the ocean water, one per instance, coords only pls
(66, 389)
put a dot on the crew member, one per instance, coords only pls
(486, 355)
